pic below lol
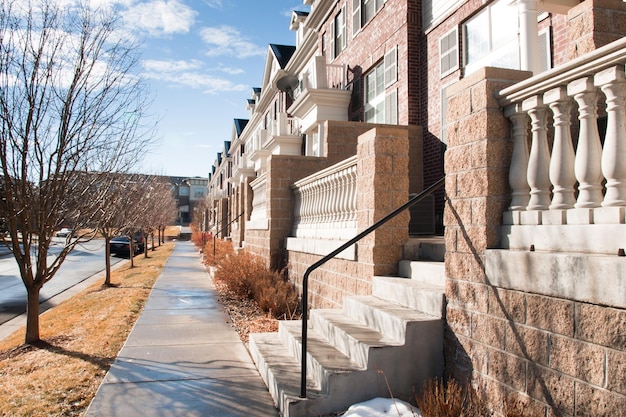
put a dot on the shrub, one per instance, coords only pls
(247, 276)
(222, 249)
(439, 399)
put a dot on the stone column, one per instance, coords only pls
(383, 185)
(480, 147)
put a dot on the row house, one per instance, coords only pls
(219, 190)
(510, 276)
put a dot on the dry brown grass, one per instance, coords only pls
(80, 339)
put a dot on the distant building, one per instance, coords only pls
(189, 193)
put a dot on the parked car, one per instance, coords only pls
(64, 232)
(120, 246)
(141, 244)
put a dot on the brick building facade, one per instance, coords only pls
(418, 95)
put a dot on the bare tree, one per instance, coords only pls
(72, 109)
(158, 207)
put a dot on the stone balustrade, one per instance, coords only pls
(325, 203)
(570, 172)
(258, 216)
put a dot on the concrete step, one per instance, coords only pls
(324, 360)
(382, 315)
(387, 374)
(416, 295)
(351, 338)
(281, 371)
(424, 271)
(432, 248)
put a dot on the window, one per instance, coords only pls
(449, 52)
(338, 33)
(491, 38)
(375, 95)
(545, 58)
(363, 11)
(391, 67)
(382, 106)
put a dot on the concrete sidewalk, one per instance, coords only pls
(183, 357)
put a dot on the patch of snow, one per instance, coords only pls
(383, 407)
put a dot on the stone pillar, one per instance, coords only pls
(383, 185)
(480, 147)
(595, 23)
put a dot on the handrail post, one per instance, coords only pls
(222, 229)
(305, 278)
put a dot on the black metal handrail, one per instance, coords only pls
(222, 229)
(305, 279)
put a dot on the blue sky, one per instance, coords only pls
(202, 58)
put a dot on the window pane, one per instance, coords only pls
(503, 23)
(477, 37)
(369, 7)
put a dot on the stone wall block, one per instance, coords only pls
(507, 304)
(459, 105)
(508, 369)
(592, 401)
(616, 370)
(552, 388)
(465, 266)
(613, 321)
(561, 317)
(488, 330)
(473, 296)
(528, 343)
(578, 359)
(459, 321)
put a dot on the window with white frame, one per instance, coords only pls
(338, 33)
(491, 37)
(381, 104)
(449, 52)
(363, 11)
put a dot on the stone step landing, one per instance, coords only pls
(384, 344)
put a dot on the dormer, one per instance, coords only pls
(297, 24)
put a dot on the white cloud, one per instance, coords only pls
(153, 65)
(216, 4)
(227, 40)
(232, 70)
(188, 74)
(160, 17)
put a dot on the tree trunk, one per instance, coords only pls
(107, 261)
(32, 315)
(131, 252)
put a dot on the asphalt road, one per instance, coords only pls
(83, 262)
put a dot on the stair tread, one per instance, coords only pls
(411, 282)
(359, 331)
(284, 366)
(397, 310)
(324, 353)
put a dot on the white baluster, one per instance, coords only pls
(587, 164)
(353, 195)
(539, 157)
(562, 160)
(297, 217)
(335, 198)
(520, 191)
(612, 81)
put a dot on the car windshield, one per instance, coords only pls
(120, 239)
